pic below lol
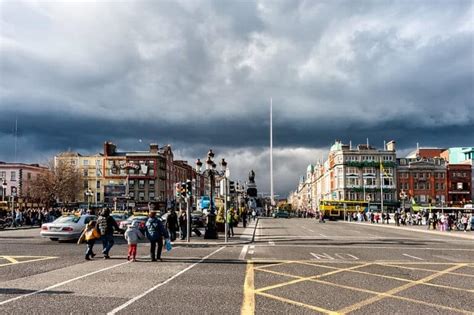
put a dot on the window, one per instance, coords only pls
(387, 196)
(86, 173)
(151, 195)
(459, 186)
(141, 184)
(131, 183)
(3, 175)
(387, 181)
(85, 162)
(151, 183)
(86, 184)
(13, 176)
(131, 194)
(369, 170)
(353, 181)
(141, 196)
(97, 184)
(416, 186)
(98, 197)
(370, 181)
(352, 158)
(352, 170)
(28, 176)
(422, 198)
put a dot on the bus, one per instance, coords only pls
(335, 209)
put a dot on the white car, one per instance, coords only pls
(67, 227)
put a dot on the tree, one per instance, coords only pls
(62, 182)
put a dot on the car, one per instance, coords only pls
(141, 222)
(472, 223)
(198, 219)
(68, 227)
(281, 214)
(119, 217)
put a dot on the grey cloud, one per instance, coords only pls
(200, 73)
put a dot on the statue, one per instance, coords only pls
(252, 176)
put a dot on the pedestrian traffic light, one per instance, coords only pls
(183, 189)
(231, 187)
(189, 188)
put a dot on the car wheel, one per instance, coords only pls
(54, 238)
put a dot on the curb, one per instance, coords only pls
(463, 236)
(209, 244)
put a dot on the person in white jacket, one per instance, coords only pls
(133, 235)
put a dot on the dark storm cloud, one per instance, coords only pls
(199, 74)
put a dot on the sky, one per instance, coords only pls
(200, 74)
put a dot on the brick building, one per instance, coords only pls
(459, 184)
(424, 180)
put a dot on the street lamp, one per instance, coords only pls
(403, 196)
(211, 172)
(4, 189)
(88, 194)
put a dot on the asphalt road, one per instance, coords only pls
(295, 266)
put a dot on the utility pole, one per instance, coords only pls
(271, 153)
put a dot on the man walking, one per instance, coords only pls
(106, 225)
(155, 231)
(172, 224)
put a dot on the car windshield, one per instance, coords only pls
(137, 218)
(68, 219)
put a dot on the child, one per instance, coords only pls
(90, 235)
(132, 235)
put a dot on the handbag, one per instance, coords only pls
(168, 245)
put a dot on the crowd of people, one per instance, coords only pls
(31, 216)
(433, 220)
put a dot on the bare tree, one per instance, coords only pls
(62, 182)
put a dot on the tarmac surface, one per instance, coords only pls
(293, 266)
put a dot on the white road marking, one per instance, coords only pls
(346, 256)
(121, 307)
(414, 257)
(251, 252)
(271, 243)
(243, 252)
(322, 256)
(323, 235)
(61, 283)
(447, 258)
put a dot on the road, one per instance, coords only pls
(294, 266)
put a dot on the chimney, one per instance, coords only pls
(109, 148)
(391, 146)
(154, 148)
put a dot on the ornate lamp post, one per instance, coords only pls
(88, 194)
(4, 189)
(403, 197)
(212, 173)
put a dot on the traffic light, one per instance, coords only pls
(189, 188)
(231, 187)
(178, 189)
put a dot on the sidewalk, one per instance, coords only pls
(418, 228)
(241, 236)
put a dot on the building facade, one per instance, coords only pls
(423, 180)
(18, 178)
(459, 184)
(359, 174)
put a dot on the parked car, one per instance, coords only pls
(472, 223)
(281, 214)
(67, 227)
(141, 222)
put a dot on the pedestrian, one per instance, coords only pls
(244, 217)
(464, 222)
(183, 225)
(155, 232)
(254, 215)
(89, 235)
(230, 223)
(106, 225)
(133, 235)
(172, 224)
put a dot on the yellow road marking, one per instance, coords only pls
(390, 296)
(10, 259)
(275, 264)
(430, 270)
(248, 303)
(308, 278)
(383, 295)
(312, 307)
(13, 259)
